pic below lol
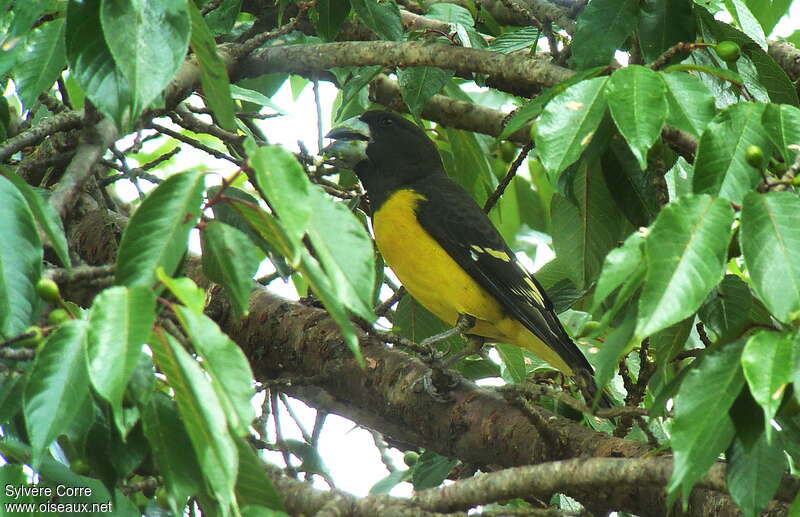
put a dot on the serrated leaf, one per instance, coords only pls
(450, 13)
(148, 42)
(663, 23)
(184, 289)
(248, 95)
(92, 63)
(768, 362)
(382, 18)
(282, 179)
(727, 310)
(770, 242)
(57, 387)
(637, 101)
(20, 263)
(602, 27)
(617, 267)
(745, 19)
(686, 253)
(754, 474)
(253, 486)
(419, 83)
(585, 229)
(45, 215)
(568, 123)
(157, 233)
(171, 448)
(720, 167)
(328, 15)
(702, 428)
(768, 12)
(345, 250)
(202, 415)
(230, 259)
(691, 105)
(213, 72)
(119, 324)
(231, 377)
(782, 125)
(41, 63)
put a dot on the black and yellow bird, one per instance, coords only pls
(441, 245)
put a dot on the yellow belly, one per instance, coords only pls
(436, 281)
(432, 277)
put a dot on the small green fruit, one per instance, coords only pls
(57, 316)
(508, 151)
(754, 156)
(47, 289)
(410, 458)
(533, 131)
(728, 51)
(35, 340)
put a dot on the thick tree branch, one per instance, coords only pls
(511, 69)
(787, 56)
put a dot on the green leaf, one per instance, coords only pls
(119, 324)
(281, 178)
(382, 18)
(603, 26)
(47, 217)
(92, 64)
(231, 260)
(568, 123)
(148, 42)
(522, 116)
(629, 185)
(754, 473)
(768, 12)
(770, 242)
(617, 267)
(663, 23)
(782, 125)
(222, 19)
(41, 63)
(225, 362)
(385, 485)
(248, 95)
(171, 449)
(768, 362)
(431, 470)
(686, 253)
(419, 83)
(184, 289)
(702, 428)
(213, 70)
(20, 263)
(679, 179)
(637, 101)
(514, 361)
(614, 348)
(202, 415)
(768, 74)
(727, 310)
(450, 13)
(253, 486)
(513, 41)
(720, 168)
(585, 229)
(745, 19)
(157, 233)
(57, 386)
(691, 105)
(415, 322)
(327, 17)
(345, 250)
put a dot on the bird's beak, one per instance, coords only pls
(349, 146)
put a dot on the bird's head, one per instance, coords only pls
(383, 149)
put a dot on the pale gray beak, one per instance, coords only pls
(349, 146)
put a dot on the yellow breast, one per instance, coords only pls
(432, 277)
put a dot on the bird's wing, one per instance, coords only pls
(459, 225)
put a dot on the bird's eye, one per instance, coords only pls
(387, 122)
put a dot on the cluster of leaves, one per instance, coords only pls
(694, 258)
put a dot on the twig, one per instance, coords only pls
(195, 143)
(294, 416)
(512, 171)
(18, 354)
(384, 307)
(383, 448)
(80, 273)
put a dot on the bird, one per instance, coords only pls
(442, 246)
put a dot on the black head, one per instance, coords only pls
(385, 150)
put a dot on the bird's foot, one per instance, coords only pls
(464, 323)
(439, 382)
